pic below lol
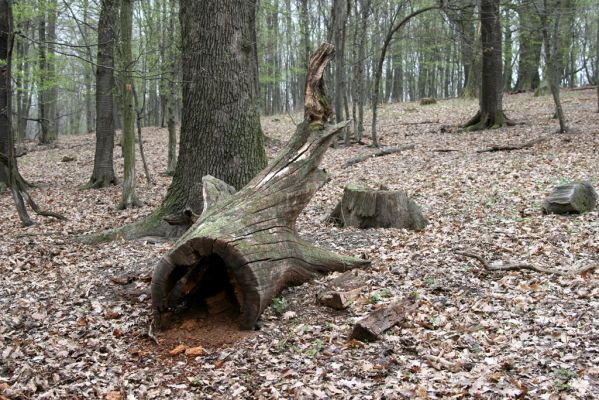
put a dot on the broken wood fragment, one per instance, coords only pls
(342, 291)
(380, 153)
(377, 322)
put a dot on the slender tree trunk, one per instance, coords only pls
(89, 101)
(340, 18)
(490, 114)
(597, 64)
(128, 198)
(552, 54)
(395, 27)
(43, 115)
(507, 62)
(360, 81)
(103, 173)
(52, 90)
(172, 97)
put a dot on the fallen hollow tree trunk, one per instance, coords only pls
(246, 244)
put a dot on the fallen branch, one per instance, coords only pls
(380, 153)
(526, 145)
(410, 123)
(521, 266)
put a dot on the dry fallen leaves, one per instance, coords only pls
(475, 335)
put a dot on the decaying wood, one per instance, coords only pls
(365, 208)
(523, 266)
(377, 322)
(526, 145)
(247, 242)
(380, 153)
(342, 291)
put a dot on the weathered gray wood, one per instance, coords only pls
(374, 324)
(248, 240)
(215, 190)
(366, 208)
(573, 198)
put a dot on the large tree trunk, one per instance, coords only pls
(103, 174)
(128, 198)
(491, 113)
(249, 239)
(220, 127)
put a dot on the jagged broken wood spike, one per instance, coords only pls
(250, 237)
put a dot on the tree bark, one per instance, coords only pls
(220, 127)
(43, 115)
(339, 21)
(128, 198)
(491, 113)
(103, 173)
(597, 64)
(249, 238)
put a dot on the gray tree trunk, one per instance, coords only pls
(103, 173)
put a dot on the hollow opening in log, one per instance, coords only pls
(206, 288)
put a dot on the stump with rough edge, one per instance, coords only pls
(246, 244)
(573, 198)
(365, 208)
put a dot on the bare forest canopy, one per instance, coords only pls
(436, 54)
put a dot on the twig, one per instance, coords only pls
(151, 334)
(384, 152)
(526, 145)
(521, 266)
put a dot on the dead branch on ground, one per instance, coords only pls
(523, 266)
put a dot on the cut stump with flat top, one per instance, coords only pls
(365, 208)
(573, 198)
(246, 244)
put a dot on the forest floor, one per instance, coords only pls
(74, 318)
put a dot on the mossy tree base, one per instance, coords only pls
(484, 120)
(246, 243)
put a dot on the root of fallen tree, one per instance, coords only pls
(523, 266)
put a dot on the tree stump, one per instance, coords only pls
(366, 208)
(573, 198)
(246, 244)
